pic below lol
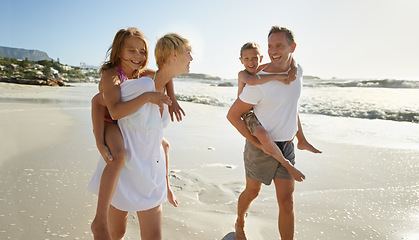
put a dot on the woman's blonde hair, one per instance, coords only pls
(167, 44)
(115, 50)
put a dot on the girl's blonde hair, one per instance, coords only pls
(167, 44)
(115, 50)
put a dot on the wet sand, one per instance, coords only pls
(352, 191)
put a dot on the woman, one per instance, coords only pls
(142, 183)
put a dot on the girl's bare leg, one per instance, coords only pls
(273, 150)
(150, 223)
(109, 180)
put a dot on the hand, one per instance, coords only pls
(283, 78)
(106, 154)
(292, 74)
(176, 110)
(171, 197)
(160, 99)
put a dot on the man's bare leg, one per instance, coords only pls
(285, 197)
(245, 199)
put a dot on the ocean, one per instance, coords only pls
(396, 100)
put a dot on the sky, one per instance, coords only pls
(361, 39)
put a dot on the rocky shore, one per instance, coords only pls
(34, 81)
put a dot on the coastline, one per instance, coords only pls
(354, 189)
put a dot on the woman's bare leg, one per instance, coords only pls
(150, 223)
(117, 223)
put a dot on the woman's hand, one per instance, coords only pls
(176, 110)
(159, 99)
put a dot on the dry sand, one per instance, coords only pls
(48, 156)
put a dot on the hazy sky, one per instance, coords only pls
(335, 38)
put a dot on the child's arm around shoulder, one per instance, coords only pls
(112, 93)
(261, 79)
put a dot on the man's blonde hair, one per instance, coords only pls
(249, 45)
(167, 44)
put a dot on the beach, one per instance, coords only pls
(363, 186)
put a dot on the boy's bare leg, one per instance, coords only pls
(273, 150)
(109, 180)
(303, 144)
(245, 199)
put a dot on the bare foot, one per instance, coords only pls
(307, 146)
(239, 232)
(100, 230)
(296, 174)
(172, 198)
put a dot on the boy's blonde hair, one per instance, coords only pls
(249, 45)
(167, 44)
(115, 50)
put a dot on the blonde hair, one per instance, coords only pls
(288, 33)
(115, 50)
(167, 44)
(249, 45)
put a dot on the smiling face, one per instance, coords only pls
(280, 49)
(133, 55)
(250, 59)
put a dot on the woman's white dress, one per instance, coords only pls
(142, 182)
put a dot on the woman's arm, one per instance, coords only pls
(118, 109)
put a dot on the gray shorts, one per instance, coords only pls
(264, 168)
(251, 121)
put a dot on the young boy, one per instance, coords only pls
(250, 57)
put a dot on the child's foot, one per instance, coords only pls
(100, 230)
(239, 232)
(296, 174)
(307, 146)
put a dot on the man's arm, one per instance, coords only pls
(234, 117)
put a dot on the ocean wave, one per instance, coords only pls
(202, 100)
(400, 116)
(381, 83)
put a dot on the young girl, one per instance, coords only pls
(142, 184)
(108, 136)
(250, 57)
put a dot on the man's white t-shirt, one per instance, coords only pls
(276, 105)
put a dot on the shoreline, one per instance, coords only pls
(352, 190)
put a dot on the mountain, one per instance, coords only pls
(20, 53)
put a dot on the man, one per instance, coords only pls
(275, 105)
